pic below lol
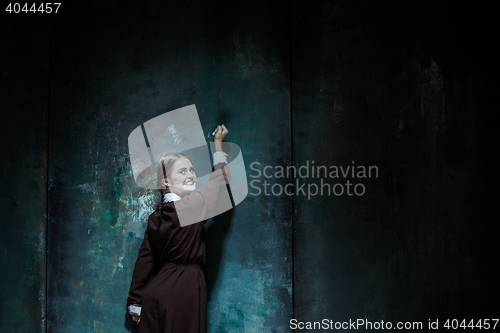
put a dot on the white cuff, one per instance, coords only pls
(220, 157)
(134, 309)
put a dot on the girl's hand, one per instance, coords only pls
(220, 133)
(136, 318)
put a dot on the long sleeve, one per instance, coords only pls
(146, 266)
(202, 204)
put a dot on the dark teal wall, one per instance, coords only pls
(402, 86)
(134, 63)
(24, 96)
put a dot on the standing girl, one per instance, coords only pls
(168, 291)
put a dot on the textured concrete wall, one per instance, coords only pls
(115, 67)
(401, 86)
(24, 105)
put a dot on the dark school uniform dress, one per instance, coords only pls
(168, 282)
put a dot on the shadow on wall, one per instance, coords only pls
(215, 246)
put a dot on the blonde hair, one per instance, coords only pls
(165, 165)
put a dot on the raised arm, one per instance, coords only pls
(220, 134)
(201, 204)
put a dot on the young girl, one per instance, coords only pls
(168, 292)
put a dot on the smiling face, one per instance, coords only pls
(182, 179)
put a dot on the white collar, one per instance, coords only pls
(169, 197)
